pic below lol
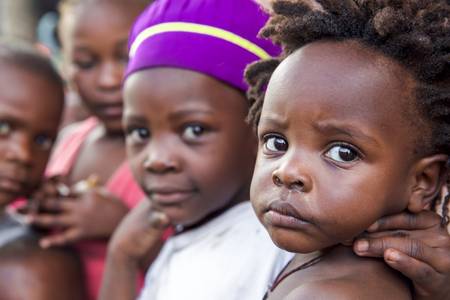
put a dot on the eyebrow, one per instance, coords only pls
(133, 118)
(274, 121)
(343, 129)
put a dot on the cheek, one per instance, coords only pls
(136, 158)
(262, 185)
(349, 203)
(40, 163)
(84, 82)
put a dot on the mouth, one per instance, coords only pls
(11, 186)
(282, 214)
(110, 111)
(167, 196)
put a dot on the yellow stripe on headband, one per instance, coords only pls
(200, 29)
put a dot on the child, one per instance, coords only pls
(31, 101)
(94, 37)
(192, 151)
(354, 126)
(138, 233)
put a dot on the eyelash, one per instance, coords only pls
(267, 137)
(359, 154)
(139, 138)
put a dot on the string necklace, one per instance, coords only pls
(303, 266)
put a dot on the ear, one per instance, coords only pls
(429, 176)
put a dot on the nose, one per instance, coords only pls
(161, 159)
(110, 75)
(292, 174)
(20, 150)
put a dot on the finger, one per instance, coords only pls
(411, 247)
(159, 220)
(406, 221)
(49, 220)
(418, 271)
(60, 239)
(57, 205)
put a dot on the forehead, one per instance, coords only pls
(27, 97)
(342, 80)
(169, 89)
(100, 21)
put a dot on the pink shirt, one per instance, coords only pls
(121, 184)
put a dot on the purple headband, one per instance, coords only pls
(214, 37)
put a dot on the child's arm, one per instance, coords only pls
(134, 245)
(41, 275)
(417, 246)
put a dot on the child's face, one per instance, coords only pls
(335, 146)
(94, 38)
(187, 142)
(30, 111)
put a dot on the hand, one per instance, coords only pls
(417, 246)
(89, 215)
(139, 237)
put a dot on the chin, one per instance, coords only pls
(293, 241)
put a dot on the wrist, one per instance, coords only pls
(120, 259)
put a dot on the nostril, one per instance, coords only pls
(276, 180)
(297, 185)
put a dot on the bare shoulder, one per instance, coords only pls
(69, 130)
(343, 289)
(343, 275)
(355, 278)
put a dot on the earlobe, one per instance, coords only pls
(428, 179)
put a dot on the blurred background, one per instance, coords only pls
(32, 20)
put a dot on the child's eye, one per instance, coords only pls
(343, 154)
(193, 132)
(275, 143)
(5, 128)
(85, 64)
(44, 141)
(138, 135)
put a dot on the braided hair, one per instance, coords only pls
(414, 33)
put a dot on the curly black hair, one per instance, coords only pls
(414, 33)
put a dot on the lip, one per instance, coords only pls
(11, 186)
(110, 111)
(168, 196)
(283, 214)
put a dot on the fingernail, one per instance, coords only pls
(362, 246)
(392, 255)
(44, 244)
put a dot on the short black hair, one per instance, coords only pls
(413, 33)
(24, 56)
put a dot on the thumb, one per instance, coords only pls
(159, 220)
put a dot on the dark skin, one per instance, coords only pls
(318, 150)
(174, 124)
(183, 129)
(144, 226)
(26, 274)
(26, 138)
(26, 135)
(94, 38)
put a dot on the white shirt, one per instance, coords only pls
(230, 257)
